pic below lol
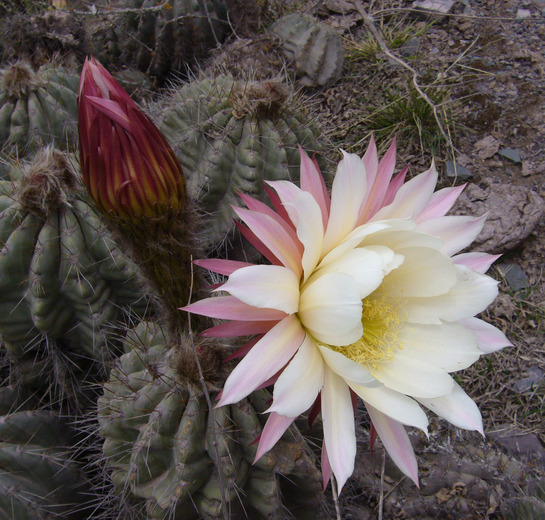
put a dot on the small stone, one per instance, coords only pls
(487, 147)
(511, 154)
(410, 47)
(524, 13)
(535, 376)
(455, 170)
(434, 7)
(528, 168)
(514, 276)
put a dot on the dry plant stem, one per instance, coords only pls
(372, 28)
(208, 400)
(335, 497)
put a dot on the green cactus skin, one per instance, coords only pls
(159, 442)
(38, 479)
(37, 107)
(230, 136)
(316, 48)
(64, 281)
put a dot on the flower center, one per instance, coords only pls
(381, 322)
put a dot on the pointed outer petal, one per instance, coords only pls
(265, 286)
(473, 293)
(456, 231)
(412, 197)
(274, 237)
(112, 110)
(273, 430)
(242, 351)
(395, 186)
(305, 213)
(457, 408)
(271, 381)
(424, 272)
(414, 377)
(344, 367)
(233, 329)
(312, 182)
(230, 308)
(370, 161)
(277, 205)
(441, 201)
(479, 262)
(375, 193)
(220, 266)
(347, 194)
(251, 237)
(315, 410)
(300, 382)
(366, 266)
(265, 359)
(397, 406)
(326, 467)
(396, 441)
(260, 207)
(331, 309)
(338, 424)
(372, 436)
(489, 337)
(352, 241)
(450, 346)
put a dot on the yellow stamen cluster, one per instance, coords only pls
(381, 322)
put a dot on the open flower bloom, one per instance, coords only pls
(127, 165)
(365, 296)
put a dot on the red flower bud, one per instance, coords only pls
(127, 165)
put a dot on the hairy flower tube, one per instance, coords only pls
(127, 165)
(366, 295)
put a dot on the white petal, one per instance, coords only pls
(264, 360)
(414, 377)
(400, 234)
(297, 387)
(424, 272)
(449, 346)
(265, 286)
(472, 294)
(339, 429)
(457, 408)
(397, 406)
(489, 337)
(347, 194)
(367, 266)
(346, 368)
(331, 309)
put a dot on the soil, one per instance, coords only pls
(483, 65)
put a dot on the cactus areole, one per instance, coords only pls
(127, 165)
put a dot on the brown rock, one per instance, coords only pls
(513, 213)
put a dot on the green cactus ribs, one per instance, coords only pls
(65, 286)
(166, 449)
(230, 136)
(37, 107)
(38, 478)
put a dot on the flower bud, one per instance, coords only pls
(128, 167)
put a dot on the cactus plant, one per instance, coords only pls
(38, 478)
(159, 439)
(315, 47)
(64, 281)
(230, 136)
(37, 107)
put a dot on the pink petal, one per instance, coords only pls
(375, 196)
(489, 337)
(230, 308)
(339, 429)
(395, 186)
(347, 195)
(220, 266)
(249, 235)
(112, 110)
(479, 262)
(266, 358)
(278, 206)
(241, 352)
(233, 329)
(313, 183)
(441, 201)
(273, 430)
(274, 236)
(326, 466)
(456, 232)
(396, 441)
(370, 160)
